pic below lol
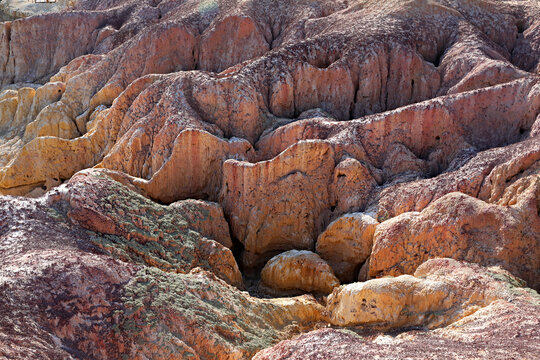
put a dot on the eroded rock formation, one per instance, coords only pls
(181, 152)
(480, 302)
(465, 228)
(299, 270)
(346, 243)
(80, 263)
(441, 292)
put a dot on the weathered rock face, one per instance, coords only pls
(77, 305)
(64, 295)
(299, 270)
(124, 224)
(491, 305)
(230, 41)
(260, 127)
(279, 204)
(346, 243)
(134, 228)
(206, 218)
(340, 74)
(192, 169)
(464, 228)
(14, 9)
(352, 185)
(60, 304)
(435, 296)
(466, 174)
(490, 333)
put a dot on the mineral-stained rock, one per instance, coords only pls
(133, 311)
(435, 296)
(499, 331)
(205, 317)
(522, 164)
(352, 186)
(287, 115)
(323, 56)
(466, 174)
(133, 228)
(98, 211)
(279, 204)
(299, 270)
(346, 243)
(192, 169)
(14, 9)
(47, 35)
(483, 301)
(206, 218)
(8, 108)
(63, 296)
(44, 96)
(444, 146)
(401, 160)
(231, 41)
(526, 52)
(465, 228)
(43, 313)
(428, 128)
(54, 159)
(315, 84)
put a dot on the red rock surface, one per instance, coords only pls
(118, 283)
(175, 146)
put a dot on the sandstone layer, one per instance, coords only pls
(299, 270)
(492, 317)
(158, 159)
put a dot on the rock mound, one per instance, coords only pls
(299, 270)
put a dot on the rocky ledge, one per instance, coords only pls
(222, 179)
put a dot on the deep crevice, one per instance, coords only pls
(521, 26)
(438, 58)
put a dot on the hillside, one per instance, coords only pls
(271, 179)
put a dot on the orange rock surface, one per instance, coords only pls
(464, 228)
(159, 157)
(485, 307)
(299, 270)
(346, 243)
